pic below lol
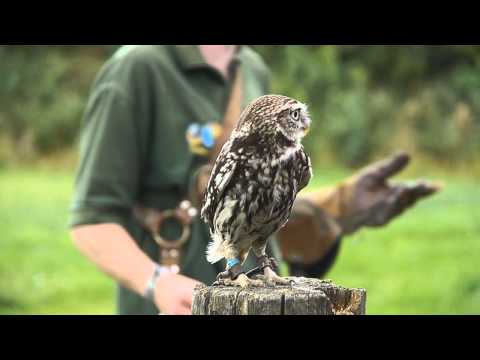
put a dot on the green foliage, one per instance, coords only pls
(43, 92)
(366, 101)
(371, 100)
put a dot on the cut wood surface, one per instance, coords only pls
(304, 297)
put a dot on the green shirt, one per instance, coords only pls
(134, 150)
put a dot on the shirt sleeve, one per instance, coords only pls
(111, 158)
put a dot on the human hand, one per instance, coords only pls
(174, 294)
(369, 199)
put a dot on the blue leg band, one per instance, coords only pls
(231, 263)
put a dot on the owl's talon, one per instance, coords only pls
(223, 275)
(270, 278)
(242, 281)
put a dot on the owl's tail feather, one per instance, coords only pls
(215, 250)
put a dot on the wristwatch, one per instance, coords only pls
(159, 271)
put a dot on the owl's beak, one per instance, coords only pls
(306, 125)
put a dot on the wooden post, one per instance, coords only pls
(305, 297)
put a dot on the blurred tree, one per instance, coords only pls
(365, 100)
(43, 91)
(362, 98)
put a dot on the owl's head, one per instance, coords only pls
(271, 115)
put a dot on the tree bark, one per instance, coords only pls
(305, 297)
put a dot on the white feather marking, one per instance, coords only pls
(215, 249)
(286, 155)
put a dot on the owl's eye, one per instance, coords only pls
(295, 114)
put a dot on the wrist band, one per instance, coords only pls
(150, 289)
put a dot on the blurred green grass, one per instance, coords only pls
(40, 271)
(423, 263)
(426, 262)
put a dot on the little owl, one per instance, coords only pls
(253, 185)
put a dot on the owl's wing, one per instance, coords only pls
(305, 170)
(220, 177)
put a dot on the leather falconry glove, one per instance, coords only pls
(365, 199)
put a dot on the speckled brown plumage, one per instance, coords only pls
(256, 178)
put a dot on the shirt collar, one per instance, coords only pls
(190, 57)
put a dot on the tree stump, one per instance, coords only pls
(304, 297)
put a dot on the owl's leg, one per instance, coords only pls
(267, 265)
(234, 274)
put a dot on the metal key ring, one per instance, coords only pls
(173, 243)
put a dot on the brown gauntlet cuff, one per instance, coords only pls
(309, 234)
(198, 185)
